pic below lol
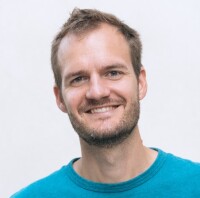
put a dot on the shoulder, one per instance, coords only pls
(183, 163)
(45, 186)
(181, 168)
(177, 176)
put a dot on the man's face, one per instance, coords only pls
(99, 91)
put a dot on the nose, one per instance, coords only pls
(97, 89)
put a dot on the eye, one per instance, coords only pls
(114, 74)
(78, 80)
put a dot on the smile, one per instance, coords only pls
(102, 109)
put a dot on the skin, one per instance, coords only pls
(94, 67)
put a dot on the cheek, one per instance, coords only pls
(126, 89)
(73, 99)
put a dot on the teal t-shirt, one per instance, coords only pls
(168, 176)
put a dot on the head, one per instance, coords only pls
(82, 21)
(99, 78)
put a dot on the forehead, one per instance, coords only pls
(103, 45)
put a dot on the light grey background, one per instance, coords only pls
(36, 138)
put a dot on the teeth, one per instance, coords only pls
(101, 110)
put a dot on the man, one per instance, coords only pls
(99, 81)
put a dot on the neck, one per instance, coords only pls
(112, 165)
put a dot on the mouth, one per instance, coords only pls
(102, 109)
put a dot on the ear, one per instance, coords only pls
(59, 99)
(142, 83)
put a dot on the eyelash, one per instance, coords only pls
(78, 80)
(114, 74)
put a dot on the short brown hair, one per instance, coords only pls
(83, 20)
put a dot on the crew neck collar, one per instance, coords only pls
(121, 186)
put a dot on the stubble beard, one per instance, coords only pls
(109, 137)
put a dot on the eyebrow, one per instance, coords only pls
(115, 66)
